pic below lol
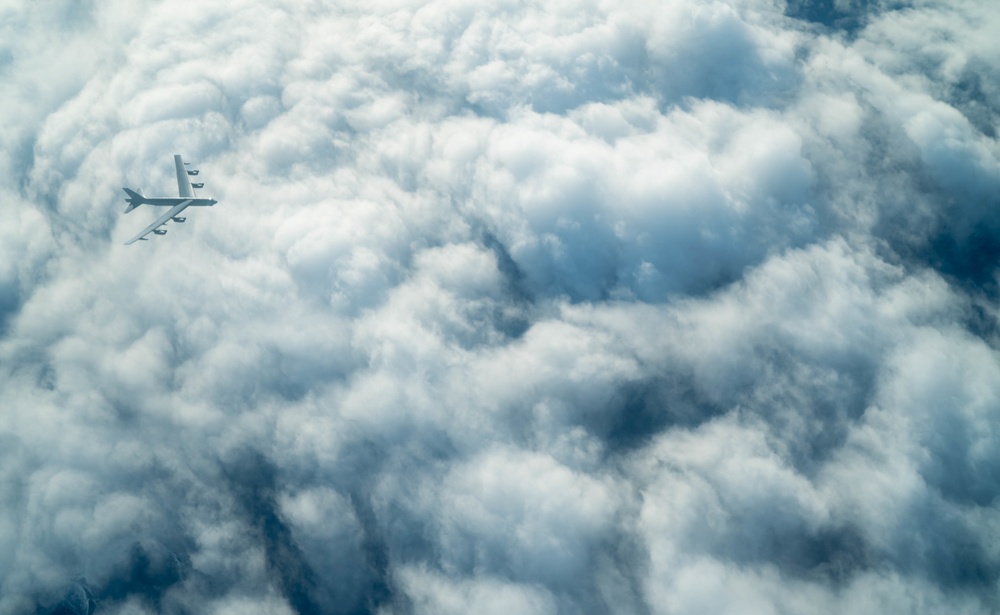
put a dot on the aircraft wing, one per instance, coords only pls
(184, 188)
(176, 209)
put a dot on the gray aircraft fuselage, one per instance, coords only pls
(135, 199)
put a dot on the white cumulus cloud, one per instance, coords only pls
(669, 307)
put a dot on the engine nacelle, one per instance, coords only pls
(160, 231)
(194, 172)
(177, 219)
(199, 185)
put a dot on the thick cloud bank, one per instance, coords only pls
(537, 307)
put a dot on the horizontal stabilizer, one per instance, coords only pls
(134, 199)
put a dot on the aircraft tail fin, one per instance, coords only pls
(134, 199)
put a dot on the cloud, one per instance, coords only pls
(547, 309)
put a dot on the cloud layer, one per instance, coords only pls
(555, 307)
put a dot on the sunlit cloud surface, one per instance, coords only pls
(569, 307)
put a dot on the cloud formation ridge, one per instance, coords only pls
(652, 308)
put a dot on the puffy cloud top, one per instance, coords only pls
(653, 308)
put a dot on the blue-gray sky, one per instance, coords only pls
(557, 307)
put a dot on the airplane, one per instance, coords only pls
(186, 198)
